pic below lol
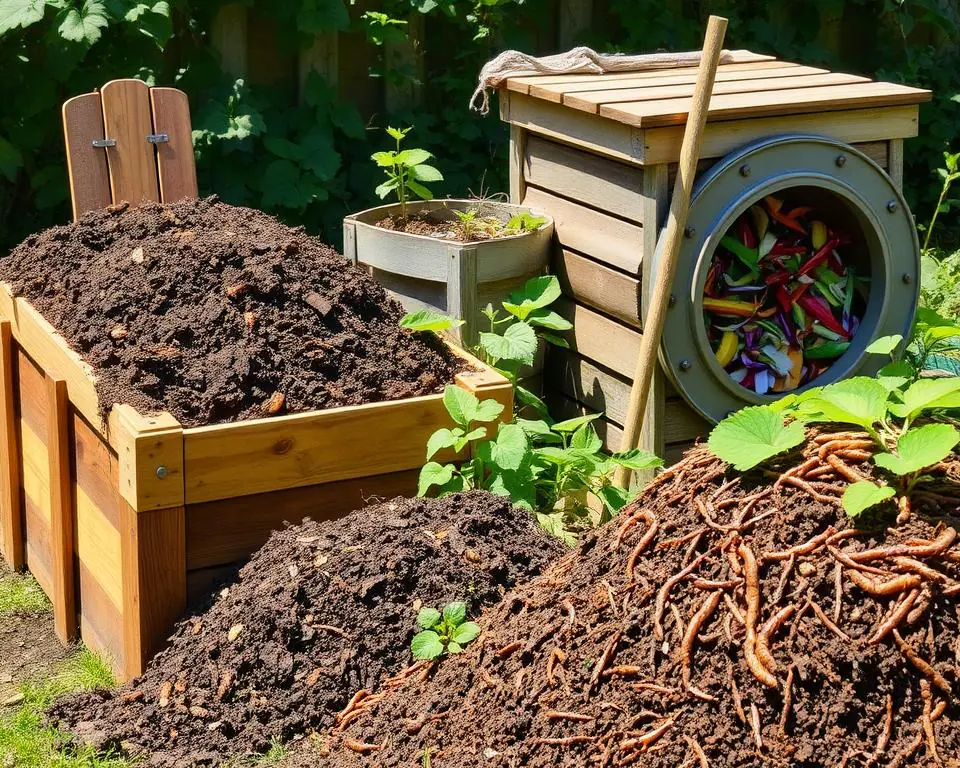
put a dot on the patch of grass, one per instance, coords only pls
(272, 756)
(27, 742)
(20, 593)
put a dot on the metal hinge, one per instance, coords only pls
(103, 143)
(158, 138)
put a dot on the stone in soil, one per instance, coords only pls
(322, 611)
(581, 667)
(217, 313)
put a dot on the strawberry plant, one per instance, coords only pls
(406, 171)
(443, 633)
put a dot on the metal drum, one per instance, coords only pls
(850, 191)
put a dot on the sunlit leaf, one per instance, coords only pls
(753, 435)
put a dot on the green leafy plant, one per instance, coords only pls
(429, 320)
(523, 222)
(443, 633)
(948, 174)
(406, 170)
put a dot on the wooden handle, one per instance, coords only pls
(653, 321)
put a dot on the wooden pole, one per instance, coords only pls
(647, 361)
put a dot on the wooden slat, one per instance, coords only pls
(86, 164)
(592, 101)
(600, 183)
(605, 289)
(226, 531)
(101, 623)
(11, 513)
(599, 338)
(150, 458)
(605, 238)
(64, 597)
(651, 114)
(176, 166)
(894, 164)
(98, 548)
(132, 162)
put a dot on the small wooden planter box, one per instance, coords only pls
(117, 521)
(599, 154)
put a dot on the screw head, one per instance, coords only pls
(162, 472)
(673, 300)
(684, 365)
(892, 206)
(689, 232)
(841, 161)
(907, 278)
(745, 170)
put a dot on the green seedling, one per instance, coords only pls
(407, 171)
(443, 633)
(428, 320)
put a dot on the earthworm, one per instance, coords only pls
(691, 548)
(877, 588)
(705, 514)
(652, 524)
(798, 471)
(648, 738)
(928, 721)
(854, 454)
(801, 549)
(555, 655)
(755, 725)
(733, 608)
(895, 617)
(933, 548)
(921, 569)
(735, 693)
(804, 486)
(624, 670)
(604, 660)
(656, 688)
(771, 626)
(837, 591)
(845, 471)
(828, 623)
(844, 558)
(846, 533)
(689, 638)
(660, 603)
(712, 584)
(926, 598)
(782, 585)
(926, 669)
(830, 436)
(698, 751)
(509, 648)
(553, 714)
(351, 705)
(903, 504)
(566, 741)
(842, 445)
(883, 740)
(355, 715)
(787, 701)
(359, 746)
(680, 540)
(753, 612)
(723, 488)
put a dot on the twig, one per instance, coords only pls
(604, 660)
(787, 701)
(827, 622)
(926, 669)
(755, 725)
(552, 714)
(883, 740)
(661, 600)
(895, 617)
(928, 721)
(698, 751)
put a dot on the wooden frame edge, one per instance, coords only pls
(150, 458)
(11, 504)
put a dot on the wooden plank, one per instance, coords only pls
(97, 473)
(101, 623)
(598, 182)
(229, 530)
(524, 83)
(599, 338)
(894, 164)
(62, 516)
(229, 38)
(602, 237)
(132, 162)
(662, 145)
(153, 558)
(11, 512)
(598, 286)
(673, 111)
(518, 186)
(176, 167)
(86, 164)
(322, 57)
(593, 101)
(557, 93)
(37, 547)
(150, 457)
(98, 549)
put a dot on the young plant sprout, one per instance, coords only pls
(443, 633)
(781, 301)
(407, 171)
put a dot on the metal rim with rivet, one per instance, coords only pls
(857, 190)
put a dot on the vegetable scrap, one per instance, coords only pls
(781, 302)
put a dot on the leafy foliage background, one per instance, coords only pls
(300, 149)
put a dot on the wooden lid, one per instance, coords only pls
(749, 85)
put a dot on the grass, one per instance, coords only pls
(20, 593)
(27, 742)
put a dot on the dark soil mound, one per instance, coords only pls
(647, 647)
(217, 313)
(321, 611)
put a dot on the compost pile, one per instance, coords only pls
(321, 611)
(720, 621)
(217, 313)
(782, 300)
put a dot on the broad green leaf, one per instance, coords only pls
(384, 159)
(428, 320)
(752, 435)
(862, 495)
(586, 439)
(528, 399)
(455, 613)
(426, 645)
(10, 160)
(413, 156)
(517, 344)
(320, 156)
(557, 456)
(614, 498)
(549, 319)
(927, 394)
(534, 427)
(386, 188)
(461, 405)
(884, 345)
(442, 438)
(419, 190)
(509, 450)
(487, 410)
(572, 425)
(919, 448)
(425, 173)
(83, 24)
(860, 400)
(538, 291)
(428, 617)
(518, 486)
(454, 647)
(553, 524)
(637, 458)
(153, 20)
(557, 341)
(433, 474)
(474, 434)
(466, 633)
(19, 13)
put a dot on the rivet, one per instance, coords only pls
(745, 170)
(907, 279)
(162, 472)
(892, 206)
(684, 365)
(673, 300)
(689, 232)
(841, 161)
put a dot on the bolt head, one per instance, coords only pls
(689, 232)
(892, 206)
(162, 472)
(841, 161)
(684, 365)
(673, 300)
(745, 170)
(907, 278)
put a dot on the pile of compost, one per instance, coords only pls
(720, 621)
(322, 611)
(217, 313)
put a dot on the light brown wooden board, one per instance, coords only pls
(599, 338)
(663, 112)
(595, 181)
(176, 167)
(86, 164)
(35, 467)
(132, 162)
(598, 286)
(11, 511)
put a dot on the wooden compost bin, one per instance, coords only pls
(118, 521)
(599, 153)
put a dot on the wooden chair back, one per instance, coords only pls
(128, 142)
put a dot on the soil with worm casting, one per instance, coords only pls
(217, 314)
(322, 611)
(722, 620)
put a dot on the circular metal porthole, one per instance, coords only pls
(851, 193)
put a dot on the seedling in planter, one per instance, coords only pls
(406, 171)
(428, 320)
(443, 633)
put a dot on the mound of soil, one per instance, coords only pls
(720, 621)
(217, 313)
(321, 611)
